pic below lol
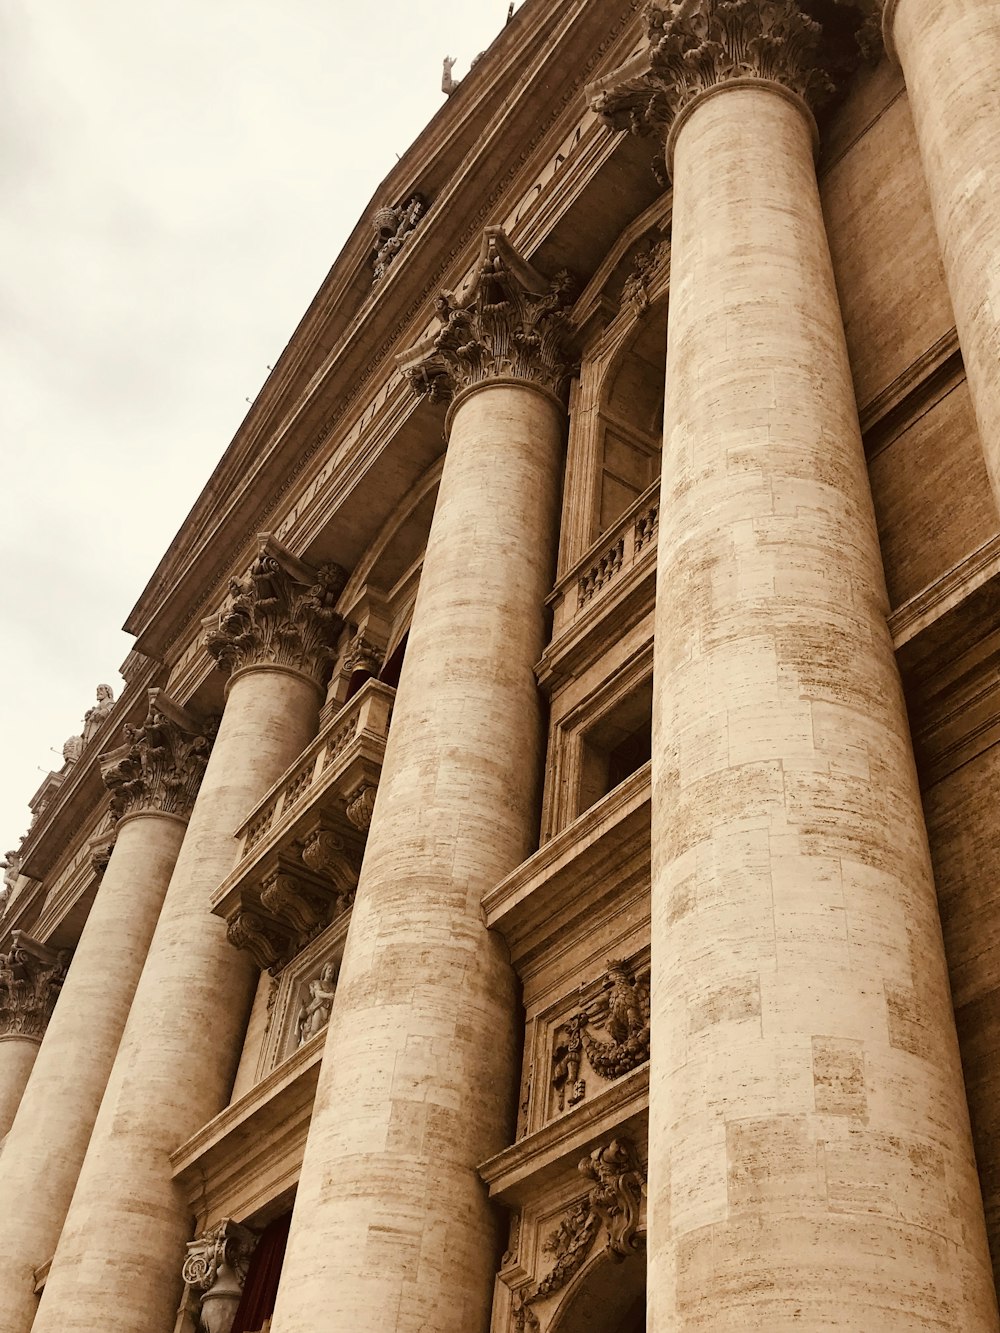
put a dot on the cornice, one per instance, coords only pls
(303, 402)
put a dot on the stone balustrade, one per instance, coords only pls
(630, 543)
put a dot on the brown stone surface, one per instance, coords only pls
(799, 837)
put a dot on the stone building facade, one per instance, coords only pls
(542, 874)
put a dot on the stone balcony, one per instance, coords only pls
(615, 578)
(299, 852)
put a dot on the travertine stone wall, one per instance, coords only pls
(392, 1229)
(810, 1157)
(17, 1059)
(118, 1263)
(950, 54)
(42, 1155)
(965, 838)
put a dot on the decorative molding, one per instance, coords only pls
(696, 46)
(360, 804)
(510, 323)
(393, 228)
(363, 655)
(216, 1267)
(612, 1204)
(31, 977)
(281, 614)
(162, 763)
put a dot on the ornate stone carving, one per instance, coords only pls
(359, 806)
(216, 1268)
(393, 228)
(281, 614)
(696, 45)
(622, 1012)
(314, 1013)
(325, 853)
(512, 323)
(11, 869)
(266, 940)
(72, 749)
(31, 977)
(289, 898)
(613, 1203)
(162, 763)
(363, 655)
(101, 856)
(635, 290)
(94, 717)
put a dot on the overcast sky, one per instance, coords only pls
(177, 179)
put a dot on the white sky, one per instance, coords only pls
(176, 180)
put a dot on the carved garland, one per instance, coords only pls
(281, 614)
(613, 1203)
(622, 1012)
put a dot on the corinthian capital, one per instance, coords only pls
(281, 614)
(697, 45)
(161, 764)
(31, 977)
(511, 323)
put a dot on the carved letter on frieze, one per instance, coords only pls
(281, 614)
(613, 1203)
(511, 323)
(216, 1269)
(31, 977)
(697, 45)
(162, 762)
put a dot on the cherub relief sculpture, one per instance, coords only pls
(315, 1012)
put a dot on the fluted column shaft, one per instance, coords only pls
(48, 1140)
(810, 1157)
(392, 1230)
(950, 54)
(118, 1263)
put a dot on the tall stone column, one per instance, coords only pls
(810, 1158)
(118, 1263)
(950, 54)
(154, 779)
(392, 1230)
(30, 979)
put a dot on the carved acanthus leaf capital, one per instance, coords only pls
(697, 45)
(31, 977)
(161, 764)
(281, 614)
(510, 323)
(216, 1269)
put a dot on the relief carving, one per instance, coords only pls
(266, 940)
(359, 806)
(31, 977)
(314, 1013)
(363, 655)
(696, 45)
(281, 614)
(163, 763)
(216, 1269)
(512, 323)
(325, 853)
(635, 291)
(621, 1013)
(612, 1203)
(393, 228)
